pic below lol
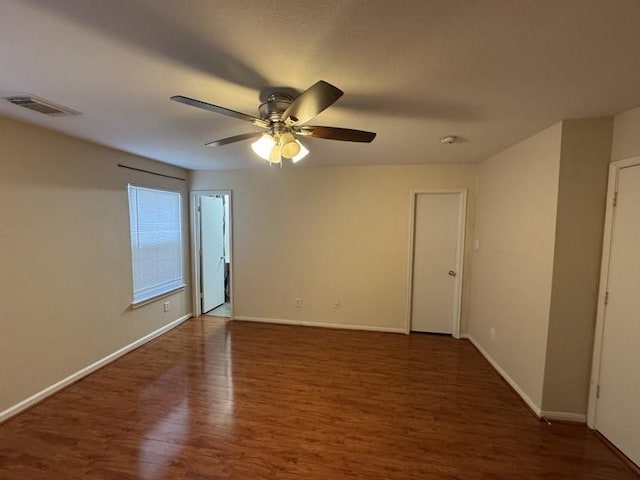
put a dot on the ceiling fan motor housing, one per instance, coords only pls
(275, 106)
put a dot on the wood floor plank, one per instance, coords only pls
(236, 400)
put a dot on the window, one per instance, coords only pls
(156, 242)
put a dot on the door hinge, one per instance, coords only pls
(615, 199)
(606, 298)
(598, 391)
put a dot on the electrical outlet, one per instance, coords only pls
(492, 333)
(336, 305)
(167, 306)
(476, 244)
(298, 302)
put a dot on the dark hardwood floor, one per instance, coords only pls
(216, 400)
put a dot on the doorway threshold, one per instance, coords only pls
(223, 310)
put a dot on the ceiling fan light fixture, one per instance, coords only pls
(290, 147)
(276, 154)
(263, 147)
(303, 152)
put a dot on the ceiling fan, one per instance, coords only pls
(284, 116)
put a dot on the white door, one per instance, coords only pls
(617, 416)
(213, 258)
(436, 259)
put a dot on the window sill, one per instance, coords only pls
(147, 301)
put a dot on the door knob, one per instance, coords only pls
(452, 273)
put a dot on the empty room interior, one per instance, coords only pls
(337, 239)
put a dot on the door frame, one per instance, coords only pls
(462, 216)
(614, 171)
(195, 247)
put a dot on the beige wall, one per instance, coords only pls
(512, 270)
(584, 165)
(626, 135)
(66, 264)
(327, 234)
(539, 221)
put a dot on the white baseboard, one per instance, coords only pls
(565, 416)
(536, 409)
(74, 377)
(284, 321)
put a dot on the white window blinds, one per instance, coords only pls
(156, 242)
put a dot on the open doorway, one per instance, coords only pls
(212, 258)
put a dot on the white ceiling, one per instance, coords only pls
(490, 71)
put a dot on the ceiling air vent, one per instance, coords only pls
(41, 105)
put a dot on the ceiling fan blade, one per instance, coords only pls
(235, 138)
(224, 111)
(335, 133)
(311, 102)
